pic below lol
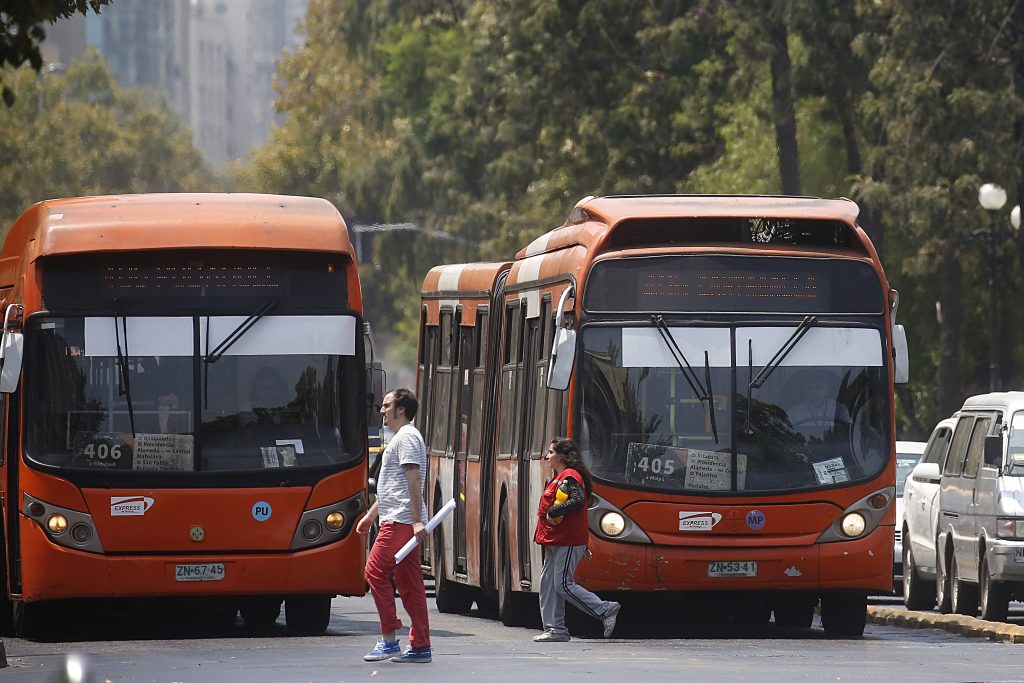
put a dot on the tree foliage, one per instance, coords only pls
(21, 31)
(489, 120)
(82, 134)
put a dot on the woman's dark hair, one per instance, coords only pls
(570, 453)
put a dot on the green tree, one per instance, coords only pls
(21, 31)
(85, 135)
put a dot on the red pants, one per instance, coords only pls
(380, 566)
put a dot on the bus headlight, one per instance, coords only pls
(81, 533)
(335, 520)
(311, 530)
(57, 524)
(854, 524)
(612, 523)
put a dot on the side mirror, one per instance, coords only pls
(927, 472)
(10, 350)
(901, 360)
(375, 379)
(994, 450)
(371, 484)
(563, 350)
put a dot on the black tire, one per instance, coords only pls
(993, 596)
(963, 595)
(31, 619)
(512, 608)
(451, 597)
(844, 615)
(794, 614)
(307, 615)
(942, 598)
(918, 594)
(260, 612)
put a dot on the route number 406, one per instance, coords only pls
(656, 465)
(102, 451)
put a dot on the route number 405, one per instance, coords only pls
(656, 465)
(102, 451)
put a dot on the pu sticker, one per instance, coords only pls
(129, 506)
(756, 520)
(261, 511)
(698, 521)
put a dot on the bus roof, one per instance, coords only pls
(593, 217)
(175, 221)
(466, 280)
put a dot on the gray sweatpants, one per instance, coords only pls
(558, 585)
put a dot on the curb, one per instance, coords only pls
(954, 623)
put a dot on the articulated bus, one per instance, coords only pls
(726, 364)
(184, 409)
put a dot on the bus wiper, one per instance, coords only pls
(711, 396)
(229, 341)
(703, 394)
(123, 385)
(783, 351)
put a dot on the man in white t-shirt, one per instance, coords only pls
(402, 512)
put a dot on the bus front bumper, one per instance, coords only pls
(863, 564)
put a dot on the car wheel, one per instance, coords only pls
(963, 595)
(941, 582)
(918, 594)
(994, 596)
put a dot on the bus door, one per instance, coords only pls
(526, 368)
(465, 366)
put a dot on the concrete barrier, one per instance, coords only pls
(954, 623)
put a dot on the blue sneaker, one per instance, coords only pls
(382, 650)
(414, 655)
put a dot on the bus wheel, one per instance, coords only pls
(844, 615)
(31, 619)
(994, 596)
(451, 597)
(307, 615)
(511, 605)
(917, 593)
(260, 611)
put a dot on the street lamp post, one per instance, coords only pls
(992, 198)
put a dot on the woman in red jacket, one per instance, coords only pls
(562, 532)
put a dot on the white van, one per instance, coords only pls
(980, 540)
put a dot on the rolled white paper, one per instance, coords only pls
(430, 526)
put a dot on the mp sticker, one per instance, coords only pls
(261, 511)
(698, 521)
(129, 506)
(756, 520)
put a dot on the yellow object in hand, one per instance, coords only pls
(560, 497)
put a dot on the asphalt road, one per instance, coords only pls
(671, 645)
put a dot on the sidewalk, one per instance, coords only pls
(954, 623)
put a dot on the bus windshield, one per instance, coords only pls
(138, 395)
(816, 420)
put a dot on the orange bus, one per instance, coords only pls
(726, 364)
(185, 412)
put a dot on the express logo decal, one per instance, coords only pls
(698, 521)
(129, 506)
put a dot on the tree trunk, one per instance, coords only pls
(950, 399)
(783, 116)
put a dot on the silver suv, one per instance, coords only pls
(980, 539)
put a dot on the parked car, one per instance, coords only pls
(920, 519)
(980, 540)
(908, 454)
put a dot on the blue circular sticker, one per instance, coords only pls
(756, 520)
(261, 511)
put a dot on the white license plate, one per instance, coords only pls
(213, 571)
(1018, 555)
(731, 569)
